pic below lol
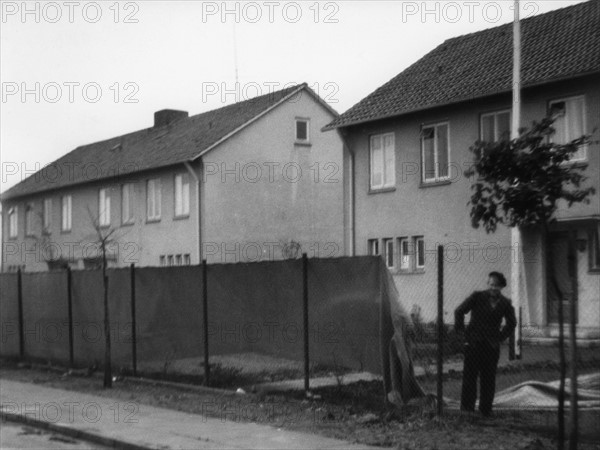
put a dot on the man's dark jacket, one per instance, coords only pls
(485, 319)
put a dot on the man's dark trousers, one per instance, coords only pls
(481, 359)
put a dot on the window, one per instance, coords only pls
(420, 253)
(388, 248)
(67, 203)
(169, 260)
(47, 214)
(177, 260)
(161, 260)
(186, 259)
(373, 247)
(182, 195)
(495, 127)
(104, 208)
(383, 171)
(412, 253)
(406, 252)
(569, 122)
(127, 203)
(302, 133)
(13, 222)
(153, 198)
(435, 152)
(29, 219)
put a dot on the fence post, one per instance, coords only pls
(133, 322)
(70, 312)
(205, 322)
(573, 412)
(440, 332)
(520, 340)
(511, 346)
(21, 322)
(305, 320)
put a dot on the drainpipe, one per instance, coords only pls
(352, 250)
(196, 178)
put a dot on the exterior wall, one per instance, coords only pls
(141, 242)
(440, 213)
(263, 192)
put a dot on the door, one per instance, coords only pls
(563, 268)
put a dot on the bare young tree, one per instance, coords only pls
(104, 237)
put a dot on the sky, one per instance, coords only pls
(74, 73)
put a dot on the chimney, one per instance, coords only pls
(168, 116)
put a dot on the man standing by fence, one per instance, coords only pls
(482, 341)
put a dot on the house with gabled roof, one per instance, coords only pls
(408, 147)
(251, 181)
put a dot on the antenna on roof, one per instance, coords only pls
(235, 59)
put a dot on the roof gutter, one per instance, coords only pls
(196, 178)
(454, 102)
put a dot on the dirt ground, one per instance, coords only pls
(354, 413)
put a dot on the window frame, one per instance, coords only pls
(128, 207)
(495, 114)
(29, 219)
(13, 222)
(405, 254)
(437, 178)
(104, 207)
(419, 252)
(387, 252)
(154, 200)
(307, 122)
(46, 215)
(583, 148)
(66, 209)
(373, 247)
(181, 197)
(385, 183)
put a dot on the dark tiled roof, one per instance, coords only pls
(150, 148)
(560, 44)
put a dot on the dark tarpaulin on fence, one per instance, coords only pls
(399, 379)
(169, 315)
(88, 317)
(256, 307)
(9, 315)
(252, 308)
(45, 318)
(344, 296)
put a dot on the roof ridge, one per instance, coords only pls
(522, 20)
(252, 99)
(240, 103)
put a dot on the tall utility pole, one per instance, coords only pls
(515, 234)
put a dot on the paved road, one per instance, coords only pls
(14, 435)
